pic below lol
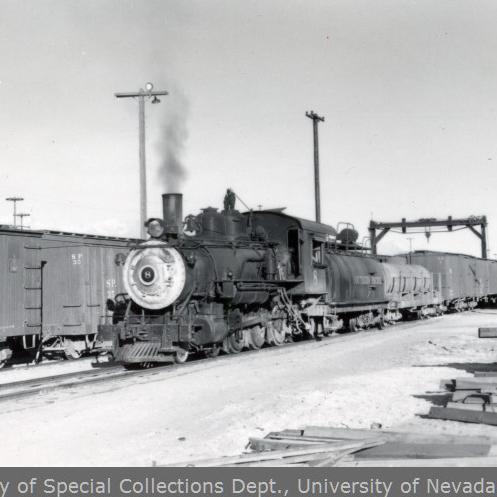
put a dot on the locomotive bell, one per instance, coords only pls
(172, 212)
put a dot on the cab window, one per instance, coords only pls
(294, 250)
(317, 251)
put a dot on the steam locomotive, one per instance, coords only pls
(226, 280)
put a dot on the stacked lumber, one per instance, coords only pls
(474, 400)
(487, 332)
(328, 446)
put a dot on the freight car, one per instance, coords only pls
(462, 280)
(54, 286)
(231, 281)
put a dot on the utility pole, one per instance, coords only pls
(14, 200)
(410, 238)
(141, 94)
(22, 215)
(315, 120)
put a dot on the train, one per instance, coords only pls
(54, 290)
(224, 281)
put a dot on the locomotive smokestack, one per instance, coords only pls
(172, 211)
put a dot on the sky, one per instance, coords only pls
(408, 89)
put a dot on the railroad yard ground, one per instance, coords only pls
(210, 408)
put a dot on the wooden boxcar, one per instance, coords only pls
(54, 287)
(463, 279)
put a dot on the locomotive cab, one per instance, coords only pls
(301, 249)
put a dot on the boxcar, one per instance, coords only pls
(54, 287)
(463, 280)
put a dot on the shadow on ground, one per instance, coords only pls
(470, 367)
(439, 399)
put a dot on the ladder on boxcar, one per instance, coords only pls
(33, 299)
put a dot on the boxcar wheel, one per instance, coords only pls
(71, 354)
(69, 349)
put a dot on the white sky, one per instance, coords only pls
(408, 89)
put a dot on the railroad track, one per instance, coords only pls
(35, 386)
(22, 365)
(23, 389)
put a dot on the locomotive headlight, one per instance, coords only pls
(154, 275)
(155, 228)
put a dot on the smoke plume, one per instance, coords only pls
(172, 141)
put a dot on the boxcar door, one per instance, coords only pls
(63, 297)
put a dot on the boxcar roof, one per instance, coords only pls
(11, 230)
(436, 252)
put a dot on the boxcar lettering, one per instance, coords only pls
(76, 258)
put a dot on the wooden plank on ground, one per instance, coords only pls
(414, 437)
(476, 383)
(341, 433)
(306, 460)
(465, 406)
(260, 444)
(424, 450)
(307, 454)
(477, 399)
(286, 433)
(490, 332)
(459, 395)
(465, 416)
(281, 436)
(466, 462)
